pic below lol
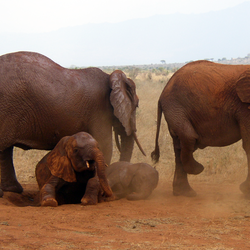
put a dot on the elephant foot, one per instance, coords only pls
(1, 192)
(12, 187)
(49, 202)
(184, 191)
(195, 168)
(88, 201)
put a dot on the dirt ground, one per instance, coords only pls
(218, 218)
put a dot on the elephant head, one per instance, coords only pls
(78, 153)
(125, 101)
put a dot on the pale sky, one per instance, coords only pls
(47, 15)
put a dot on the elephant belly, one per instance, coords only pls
(217, 136)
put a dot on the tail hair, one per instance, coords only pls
(155, 155)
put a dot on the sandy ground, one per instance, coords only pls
(218, 218)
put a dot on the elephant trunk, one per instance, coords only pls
(101, 173)
(126, 146)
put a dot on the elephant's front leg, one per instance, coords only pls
(8, 175)
(48, 192)
(92, 191)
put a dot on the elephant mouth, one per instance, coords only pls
(90, 164)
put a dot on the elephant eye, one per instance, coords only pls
(75, 151)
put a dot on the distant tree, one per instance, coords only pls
(163, 61)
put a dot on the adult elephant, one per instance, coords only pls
(205, 104)
(41, 102)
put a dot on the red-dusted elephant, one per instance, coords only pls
(73, 172)
(41, 102)
(205, 104)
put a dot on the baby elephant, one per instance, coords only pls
(72, 172)
(133, 181)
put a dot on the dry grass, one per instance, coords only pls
(221, 164)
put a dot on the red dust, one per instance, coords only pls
(218, 218)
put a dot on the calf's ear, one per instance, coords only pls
(58, 162)
(243, 87)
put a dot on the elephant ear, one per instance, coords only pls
(243, 87)
(124, 100)
(58, 161)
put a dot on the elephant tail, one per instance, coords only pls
(155, 155)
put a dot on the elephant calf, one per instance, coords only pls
(133, 181)
(73, 172)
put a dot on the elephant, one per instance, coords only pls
(41, 102)
(133, 181)
(204, 104)
(73, 172)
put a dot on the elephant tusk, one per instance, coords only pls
(138, 143)
(87, 163)
(117, 142)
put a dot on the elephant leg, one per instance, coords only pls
(48, 192)
(180, 183)
(104, 138)
(8, 176)
(92, 191)
(187, 145)
(245, 186)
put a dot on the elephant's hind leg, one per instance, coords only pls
(8, 176)
(188, 137)
(245, 186)
(180, 183)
